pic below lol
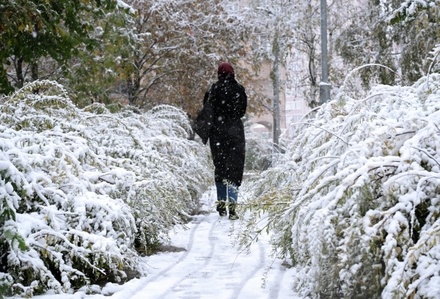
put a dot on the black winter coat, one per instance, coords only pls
(226, 137)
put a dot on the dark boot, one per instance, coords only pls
(221, 207)
(232, 213)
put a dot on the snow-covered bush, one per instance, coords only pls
(355, 201)
(81, 191)
(258, 152)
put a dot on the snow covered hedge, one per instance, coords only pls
(355, 201)
(258, 151)
(81, 191)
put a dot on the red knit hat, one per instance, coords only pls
(225, 69)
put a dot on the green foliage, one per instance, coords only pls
(96, 75)
(366, 41)
(30, 30)
(373, 36)
(5, 284)
(410, 9)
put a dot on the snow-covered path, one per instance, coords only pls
(205, 263)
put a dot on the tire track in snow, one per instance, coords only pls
(207, 259)
(252, 274)
(149, 279)
(194, 230)
(275, 290)
(275, 287)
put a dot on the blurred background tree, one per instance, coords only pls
(38, 34)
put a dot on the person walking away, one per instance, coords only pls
(220, 121)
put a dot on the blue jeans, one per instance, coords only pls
(227, 192)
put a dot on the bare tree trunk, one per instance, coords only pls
(310, 42)
(5, 87)
(130, 93)
(133, 89)
(34, 71)
(276, 96)
(19, 72)
(324, 84)
(34, 64)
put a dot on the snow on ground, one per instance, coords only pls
(205, 263)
